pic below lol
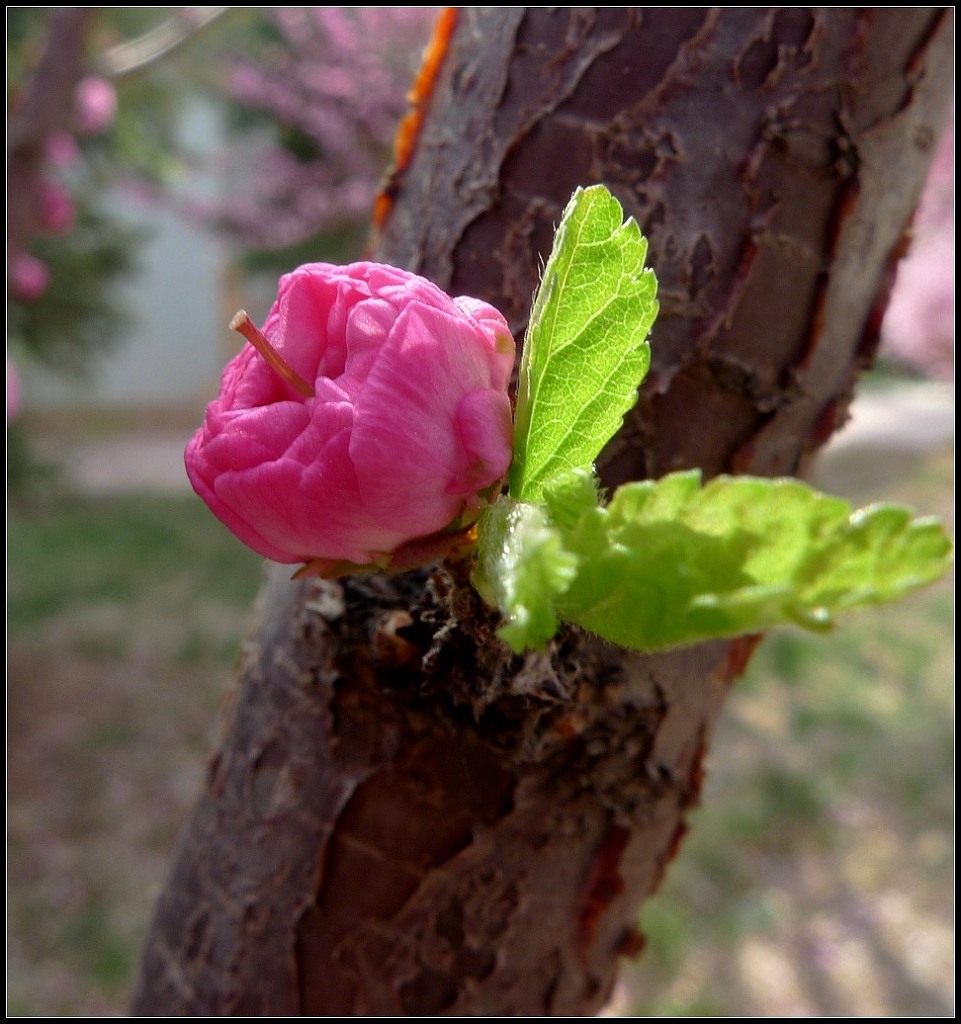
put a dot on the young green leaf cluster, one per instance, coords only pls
(672, 562)
(667, 562)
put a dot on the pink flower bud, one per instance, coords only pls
(28, 277)
(96, 101)
(406, 429)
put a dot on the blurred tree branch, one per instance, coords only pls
(134, 54)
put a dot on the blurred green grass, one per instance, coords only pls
(81, 550)
(125, 615)
(817, 878)
(818, 875)
(829, 797)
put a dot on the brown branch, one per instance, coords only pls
(404, 819)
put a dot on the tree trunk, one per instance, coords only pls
(404, 818)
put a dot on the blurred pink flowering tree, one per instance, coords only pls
(74, 130)
(65, 249)
(87, 107)
(918, 329)
(319, 101)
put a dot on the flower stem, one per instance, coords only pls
(242, 324)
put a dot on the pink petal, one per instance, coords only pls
(486, 433)
(503, 349)
(405, 444)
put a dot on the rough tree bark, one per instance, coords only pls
(403, 818)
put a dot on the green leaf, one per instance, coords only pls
(669, 563)
(522, 568)
(586, 348)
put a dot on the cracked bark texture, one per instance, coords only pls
(403, 818)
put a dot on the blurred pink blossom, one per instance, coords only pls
(28, 277)
(57, 209)
(96, 105)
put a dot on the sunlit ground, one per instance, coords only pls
(817, 879)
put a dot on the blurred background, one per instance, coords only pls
(210, 150)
